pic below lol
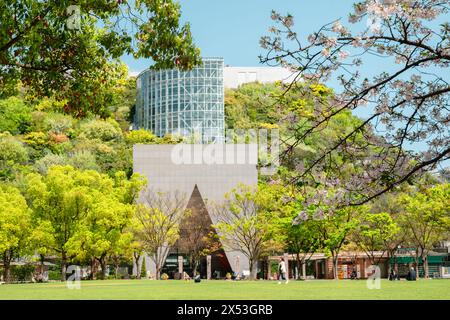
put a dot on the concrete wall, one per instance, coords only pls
(233, 77)
(165, 171)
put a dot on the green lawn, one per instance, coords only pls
(215, 289)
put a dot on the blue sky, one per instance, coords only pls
(232, 28)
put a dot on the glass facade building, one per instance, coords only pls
(186, 103)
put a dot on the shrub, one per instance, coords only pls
(140, 136)
(12, 155)
(22, 273)
(83, 160)
(101, 130)
(58, 123)
(43, 164)
(54, 275)
(164, 276)
(15, 115)
(143, 269)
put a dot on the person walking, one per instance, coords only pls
(282, 271)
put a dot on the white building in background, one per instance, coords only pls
(233, 77)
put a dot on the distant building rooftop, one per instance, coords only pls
(233, 77)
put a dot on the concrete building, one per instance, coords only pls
(203, 179)
(233, 77)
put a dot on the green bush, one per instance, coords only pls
(143, 269)
(105, 131)
(22, 273)
(15, 115)
(54, 275)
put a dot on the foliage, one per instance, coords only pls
(15, 227)
(143, 269)
(70, 51)
(104, 131)
(334, 222)
(15, 115)
(425, 217)
(243, 221)
(54, 275)
(140, 136)
(13, 156)
(22, 273)
(374, 232)
(86, 211)
(406, 99)
(42, 165)
(157, 222)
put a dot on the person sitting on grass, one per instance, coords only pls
(411, 275)
(186, 276)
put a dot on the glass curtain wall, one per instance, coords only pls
(186, 103)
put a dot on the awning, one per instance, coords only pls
(406, 260)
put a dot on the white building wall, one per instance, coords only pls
(214, 180)
(233, 77)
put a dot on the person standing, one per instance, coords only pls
(282, 271)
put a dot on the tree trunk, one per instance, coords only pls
(299, 263)
(389, 255)
(158, 271)
(425, 267)
(93, 269)
(138, 267)
(116, 269)
(7, 272)
(102, 261)
(63, 265)
(196, 263)
(335, 267)
(252, 269)
(42, 267)
(6, 267)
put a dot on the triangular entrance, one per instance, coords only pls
(198, 238)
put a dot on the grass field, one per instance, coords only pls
(222, 290)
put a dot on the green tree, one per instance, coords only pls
(140, 136)
(159, 219)
(374, 233)
(101, 130)
(15, 227)
(137, 245)
(334, 223)
(75, 202)
(15, 115)
(66, 49)
(425, 217)
(101, 232)
(243, 221)
(13, 157)
(143, 273)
